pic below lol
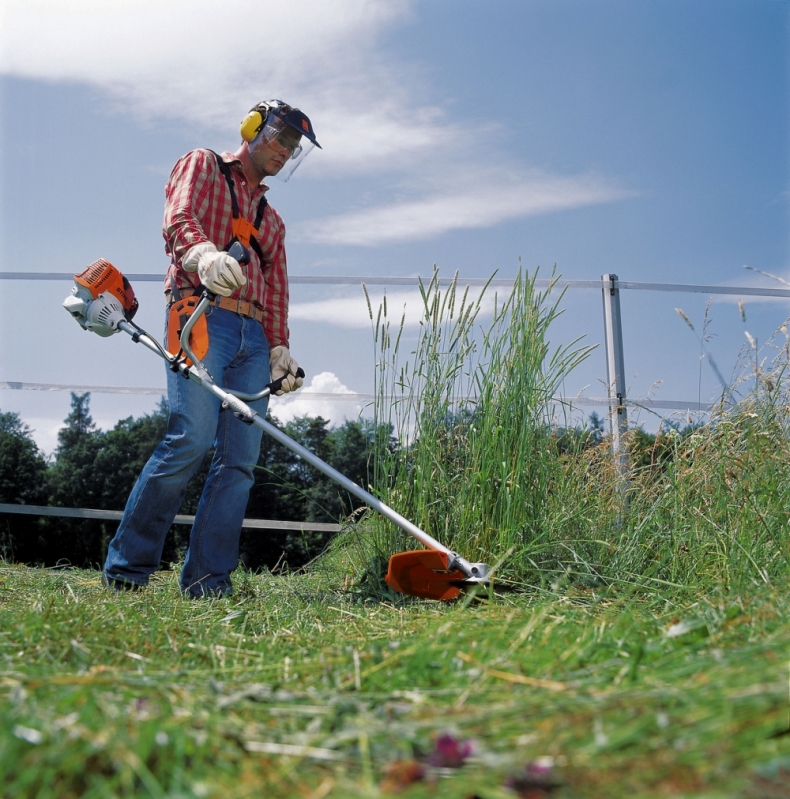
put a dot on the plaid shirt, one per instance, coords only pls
(198, 209)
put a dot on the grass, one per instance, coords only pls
(647, 655)
(471, 404)
(296, 687)
(488, 466)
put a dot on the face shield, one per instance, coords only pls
(279, 148)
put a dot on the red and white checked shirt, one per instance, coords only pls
(198, 209)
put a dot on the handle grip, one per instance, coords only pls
(238, 251)
(276, 385)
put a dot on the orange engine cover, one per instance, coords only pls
(102, 276)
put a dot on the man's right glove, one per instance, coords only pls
(190, 261)
(220, 273)
(283, 365)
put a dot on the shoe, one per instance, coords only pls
(113, 584)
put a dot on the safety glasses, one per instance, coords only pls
(280, 134)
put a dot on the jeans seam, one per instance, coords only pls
(133, 510)
(211, 496)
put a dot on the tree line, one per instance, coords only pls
(91, 468)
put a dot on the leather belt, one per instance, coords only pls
(241, 307)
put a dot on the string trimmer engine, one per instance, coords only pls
(101, 298)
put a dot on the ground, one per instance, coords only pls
(301, 686)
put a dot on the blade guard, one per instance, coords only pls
(423, 573)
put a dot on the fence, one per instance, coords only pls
(616, 400)
(115, 515)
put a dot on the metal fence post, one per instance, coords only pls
(615, 371)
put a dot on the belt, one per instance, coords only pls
(241, 307)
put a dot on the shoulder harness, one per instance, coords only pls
(243, 230)
(182, 308)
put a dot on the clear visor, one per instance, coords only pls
(281, 137)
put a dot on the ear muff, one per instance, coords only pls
(251, 125)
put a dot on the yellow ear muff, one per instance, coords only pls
(250, 125)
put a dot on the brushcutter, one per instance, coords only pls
(103, 302)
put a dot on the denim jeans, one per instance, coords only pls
(237, 359)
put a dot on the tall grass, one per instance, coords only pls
(472, 405)
(488, 465)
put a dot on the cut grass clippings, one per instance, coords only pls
(295, 688)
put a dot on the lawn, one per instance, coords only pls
(302, 686)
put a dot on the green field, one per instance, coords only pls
(296, 687)
(643, 651)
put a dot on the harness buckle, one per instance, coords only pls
(244, 230)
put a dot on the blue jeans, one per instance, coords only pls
(237, 359)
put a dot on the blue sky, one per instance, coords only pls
(646, 138)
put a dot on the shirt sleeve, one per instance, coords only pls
(275, 275)
(188, 195)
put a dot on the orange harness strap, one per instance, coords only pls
(244, 230)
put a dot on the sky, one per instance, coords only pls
(645, 138)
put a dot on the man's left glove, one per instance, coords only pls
(283, 365)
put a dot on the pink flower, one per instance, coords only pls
(449, 752)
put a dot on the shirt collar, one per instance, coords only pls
(234, 161)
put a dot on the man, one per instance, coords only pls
(212, 201)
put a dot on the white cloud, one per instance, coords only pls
(203, 63)
(756, 279)
(321, 387)
(206, 62)
(482, 203)
(352, 311)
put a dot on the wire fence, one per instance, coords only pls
(115, 515)
(375, 280)
(616, 401)
(358, 398)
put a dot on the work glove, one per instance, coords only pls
(283, 365)
(190, 262)
(220, 273)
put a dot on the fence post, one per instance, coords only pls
(615, 372)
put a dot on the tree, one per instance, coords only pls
(22, 466)
(76, 483)
(23, 471)
(280, 493)
(123, 453)
(96, 469)
(352, 447)
(289, 489)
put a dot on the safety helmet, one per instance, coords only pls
(274, 120)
